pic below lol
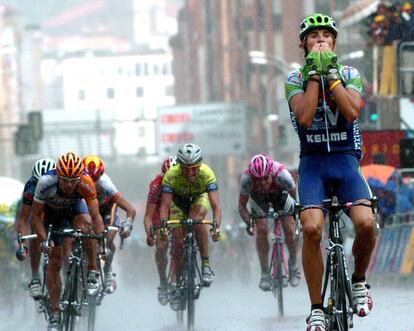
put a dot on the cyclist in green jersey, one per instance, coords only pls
(324, 98)
(188, 190)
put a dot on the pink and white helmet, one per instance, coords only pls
(260, 165)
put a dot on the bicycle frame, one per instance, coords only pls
(74, 297)
(190, 282)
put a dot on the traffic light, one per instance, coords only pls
(373, 117)
(36, 124)
(407, 153)
(27, 136)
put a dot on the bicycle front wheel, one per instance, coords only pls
(71, 299)
(277, 275)
(342, 299)
(191, 260)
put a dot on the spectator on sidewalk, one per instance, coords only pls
(388, 78)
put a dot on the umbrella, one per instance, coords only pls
(10, 192)
(380, 172)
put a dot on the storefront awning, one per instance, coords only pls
(357, 11)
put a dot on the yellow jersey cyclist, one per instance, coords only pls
(40, 168)
(188, 190)
(66, 197)
(324, 99)
(109, 199)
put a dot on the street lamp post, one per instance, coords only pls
(261, 58)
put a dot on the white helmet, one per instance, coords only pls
(189, 154)
(42, 166)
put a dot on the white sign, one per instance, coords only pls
(218, 128)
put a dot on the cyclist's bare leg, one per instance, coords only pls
(201, 231)
(178, 251)
(161, 259)
(53, 280)
(288, 229)
(312, 228)
(262, 244)
(34, 253)
(83, 222)
(67, 248)
(110, 257)
(364, 242)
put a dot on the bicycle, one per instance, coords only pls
(171, 275)
(43, 303)
(338, 308)
(44, 306)
(74, 296)
(277, 264)
(92, 301)
(190, 282)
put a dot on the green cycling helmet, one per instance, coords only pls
(317, 21)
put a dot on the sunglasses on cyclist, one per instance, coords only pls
(70, 180)
(193, 166)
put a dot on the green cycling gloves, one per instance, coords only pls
(313, 64)
(329, 65)
(322, 64)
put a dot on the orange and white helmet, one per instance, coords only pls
(69, 165)
(94, 166)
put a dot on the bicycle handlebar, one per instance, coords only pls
(21, 239)
(190, 222)
(21, 250)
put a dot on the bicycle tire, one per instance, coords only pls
(91, 313)
(180, 317)
(279, 279)
(93, 300)
(72, 296)
(66, 297)
(190, 286)
(340, 303)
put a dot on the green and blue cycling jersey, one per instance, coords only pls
(330, 149)
(330, 132)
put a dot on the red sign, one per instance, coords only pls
(177, 137)
(175, 118)
(382, 144)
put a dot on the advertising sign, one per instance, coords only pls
(218, 128)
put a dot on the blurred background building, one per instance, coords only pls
(94, 76)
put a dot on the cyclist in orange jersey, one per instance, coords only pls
(67, 198)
